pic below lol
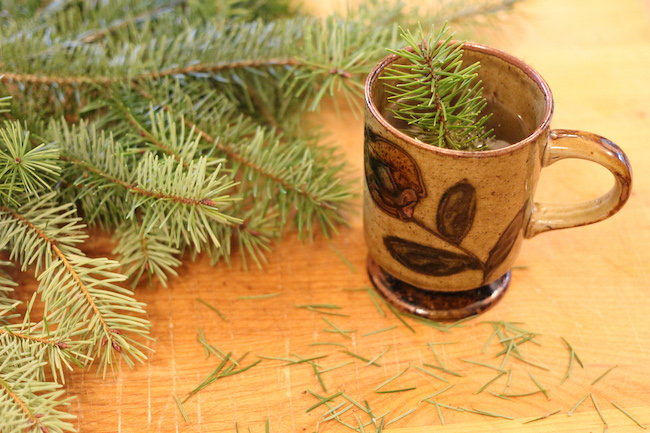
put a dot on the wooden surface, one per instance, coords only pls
(590, 285)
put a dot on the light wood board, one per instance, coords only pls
(590, 285)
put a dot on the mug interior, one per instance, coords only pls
(517, 95)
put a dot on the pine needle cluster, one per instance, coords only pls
(435, 97)
(180, 127)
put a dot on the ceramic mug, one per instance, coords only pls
(443, 227)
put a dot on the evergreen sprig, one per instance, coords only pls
(28, 403)
(438, 99)
(80, 294)
(27, 169)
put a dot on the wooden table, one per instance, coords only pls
(590, 285)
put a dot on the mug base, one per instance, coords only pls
(433, 304)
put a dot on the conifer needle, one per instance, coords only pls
(241, 370)
(430, 373)
(336, 415)
(180, 408)
(327, 343)
(354, 402)
(390, 328)
(322, 400)
(408, 412)
(323, 306)
(254, 297)
(572, 355)
(372, 361)
(213, 308)
(508, 382)
(483, 364)
(344, 259)
(442, 419)
(336, 329)
(320, 379)
(391, 379)
(497, 377)
(487, 413)
(542, 417)
(335, 367)
(603, 375)
(593, 399)
(629, 415)
(446, 370)
(391, 391)
(303, 360)
(573, 409)
(354, 355)
(541, 388)
(437, 392)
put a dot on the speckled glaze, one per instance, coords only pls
(445, 222)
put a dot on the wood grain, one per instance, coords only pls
(590, 285)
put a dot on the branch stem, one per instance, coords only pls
(46, 341)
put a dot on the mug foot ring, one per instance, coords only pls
(436, 305)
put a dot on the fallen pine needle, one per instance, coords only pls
(180, 408)
(629, 415)
(603, 375)
(542, 417)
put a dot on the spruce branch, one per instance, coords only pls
(438, 99)
(7, 303)
(26, 168)
(52, 349)
(27, 402)
(160, 192)
(80, 294)
(294, 171)
(184, 201)
(476, 13)
(151, 253)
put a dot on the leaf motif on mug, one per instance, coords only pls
(427, 260)
(505, 244)
(456, 211)
(393, 178)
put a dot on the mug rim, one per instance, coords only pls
(372, 79)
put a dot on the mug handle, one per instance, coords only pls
(566, 143)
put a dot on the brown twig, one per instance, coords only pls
(46, 341)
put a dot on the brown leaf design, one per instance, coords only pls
(427, 260)
(505, 244)
(393, 178)
(456, 211)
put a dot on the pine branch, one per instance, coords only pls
(7, 303)
(438, 99)
(151, 253)
(252, 237)
(476, 13)
(293, 171)
(28, 169)
(159, 192)
(28, 403)
(79, 293)
(53, 350)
